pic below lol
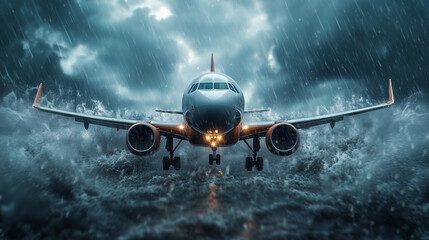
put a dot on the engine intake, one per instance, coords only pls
(143, 139)
(282, 139)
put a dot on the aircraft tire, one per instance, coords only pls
(211, 159)
(249, 163)
(259, 163)
(166, 163)
(176, 163)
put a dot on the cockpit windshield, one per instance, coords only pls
(236, 90)
(190, 89)
(205, 86)
(232, 88)
(220, 86)
(194, 88)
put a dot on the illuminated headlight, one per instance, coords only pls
(213, 138)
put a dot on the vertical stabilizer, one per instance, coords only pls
(212, 70)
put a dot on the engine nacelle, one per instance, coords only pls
(143, 139)
(282, 139)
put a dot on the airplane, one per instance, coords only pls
(213, 110)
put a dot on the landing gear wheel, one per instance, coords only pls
(211, 159)
(249, 163)
(255, 160)
(259, 163)
(176, 163)
(166, 163)
(217, 159)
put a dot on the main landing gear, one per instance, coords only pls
(211, 157)
(168, 161)
(252, 161)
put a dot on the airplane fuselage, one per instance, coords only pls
(213, 107)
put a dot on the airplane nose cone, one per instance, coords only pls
(214, 109)
(211, 117)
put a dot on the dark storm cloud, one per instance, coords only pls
(366, 41)
(133, 52)
(72, 44)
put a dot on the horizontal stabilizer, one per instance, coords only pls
(257, 111)
(167, 111)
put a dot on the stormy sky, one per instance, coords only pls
(367, 177)
(142, 54)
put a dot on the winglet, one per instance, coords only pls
(36, 102)
(212, 70)
(391, 99)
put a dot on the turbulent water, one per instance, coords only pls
(366, 178)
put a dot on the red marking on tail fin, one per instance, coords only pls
(212, 70)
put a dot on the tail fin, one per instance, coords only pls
(212, 70)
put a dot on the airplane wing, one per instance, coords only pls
(260, 129)
(176, 129)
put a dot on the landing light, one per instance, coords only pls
(213, 138)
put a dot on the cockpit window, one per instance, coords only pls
(236, 90)
(190, 89)
(205, 86)
(220, 86)
(194, 88)
(230, 87)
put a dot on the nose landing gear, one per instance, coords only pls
(252, 161)
(168, 161)
(211, 157)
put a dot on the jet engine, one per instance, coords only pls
(282, 139)
(143, 139)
